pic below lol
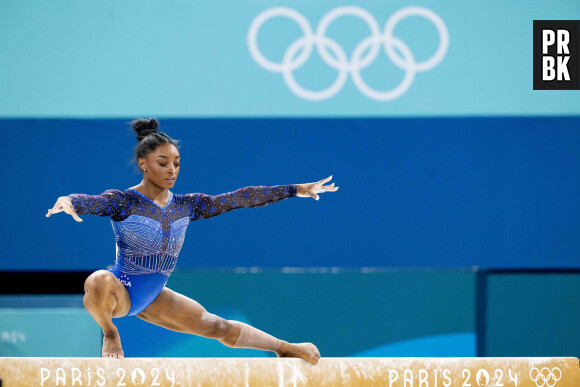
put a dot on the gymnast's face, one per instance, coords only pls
(162, 166)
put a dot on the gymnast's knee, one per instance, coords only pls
(99, 284)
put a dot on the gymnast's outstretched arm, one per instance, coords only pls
(110, 203)
(206, 206)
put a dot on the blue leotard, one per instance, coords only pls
(149, 237)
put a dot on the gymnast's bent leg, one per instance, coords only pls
(105, 298)
(176, 312)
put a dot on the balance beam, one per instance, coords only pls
(388, 372)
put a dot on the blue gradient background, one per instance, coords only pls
(455, 192)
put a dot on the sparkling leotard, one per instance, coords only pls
(149, 237)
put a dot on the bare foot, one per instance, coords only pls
(112, 347)
(305, 351)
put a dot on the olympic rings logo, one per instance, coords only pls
(359, 60)
(545, 377)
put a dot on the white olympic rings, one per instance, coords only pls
(545, 377)
(371, 45)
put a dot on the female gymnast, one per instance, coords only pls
(149, 222)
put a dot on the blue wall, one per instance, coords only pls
(374, 312)
(345, 312)
(532, 314)
(488, 192)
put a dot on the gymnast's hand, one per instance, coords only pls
(64, 204)
(312, 189)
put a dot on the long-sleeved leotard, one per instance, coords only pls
(149, 237)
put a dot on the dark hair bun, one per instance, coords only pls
(144, 127)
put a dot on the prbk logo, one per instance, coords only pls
(556, 54)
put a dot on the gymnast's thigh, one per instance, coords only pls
(179, 313)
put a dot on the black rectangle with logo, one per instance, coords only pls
(556, 60)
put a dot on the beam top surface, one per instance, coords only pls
(393, 372)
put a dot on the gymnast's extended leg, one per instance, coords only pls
(178, 313)
(105, 298)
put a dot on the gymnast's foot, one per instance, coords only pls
(112, 347)
(305, 351)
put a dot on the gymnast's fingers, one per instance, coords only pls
(325, 180)
(328, 187)
(55, 210)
